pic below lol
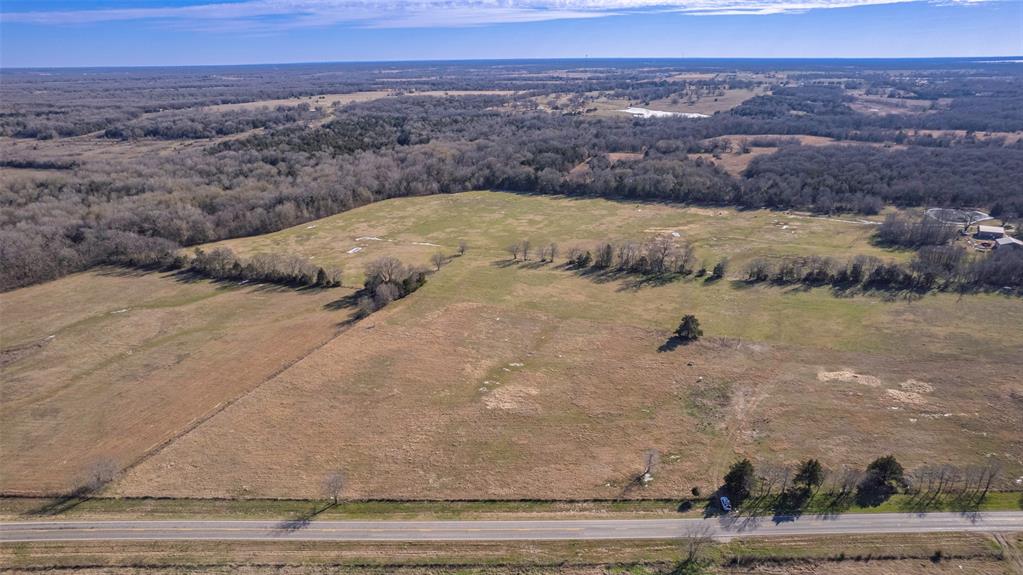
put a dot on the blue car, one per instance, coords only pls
(726, 504)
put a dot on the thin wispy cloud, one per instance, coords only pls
(291, 14)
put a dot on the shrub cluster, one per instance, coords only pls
(388, 279)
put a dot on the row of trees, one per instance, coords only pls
(659, 255)
(933, 267)
(882, 478)
(523, 249)
(284, 269)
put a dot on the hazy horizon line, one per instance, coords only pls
(1009, 59)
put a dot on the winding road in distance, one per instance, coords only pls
(720, 528)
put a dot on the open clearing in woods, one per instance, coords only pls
(502, 379)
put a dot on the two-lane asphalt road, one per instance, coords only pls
(720, 528)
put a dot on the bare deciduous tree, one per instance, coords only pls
(514, 250)
(438, 259)
(462, 247)
(385, 294)
(333, 485)
(694, 542)
(98, 474)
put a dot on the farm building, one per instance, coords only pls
(989, 232)
(1008, 242)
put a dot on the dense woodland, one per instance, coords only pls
(284, 166)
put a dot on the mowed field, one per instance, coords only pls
(109, 365)
(503, 379)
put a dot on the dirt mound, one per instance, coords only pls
(906, 396)
(848, 376)
(915, 386)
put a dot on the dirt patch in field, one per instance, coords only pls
(915, 386)
(848, 376)
(910, 397)
(512, 399)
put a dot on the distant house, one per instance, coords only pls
(989, 232)
(1008, 242)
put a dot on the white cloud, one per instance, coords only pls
(284, 14)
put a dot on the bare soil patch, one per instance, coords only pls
(916, 386)
(848, 376)
(910, 397)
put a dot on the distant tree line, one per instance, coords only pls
(195, 124)
(97, 212)
(933, 267)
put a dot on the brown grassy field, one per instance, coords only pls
(323, 101)
(109, 365)
(858, 555)
(520, 380)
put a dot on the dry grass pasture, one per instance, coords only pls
(708, 104)
(910, 554)
(109, 365)
(322, 101)
(504, 379)
(735, 162)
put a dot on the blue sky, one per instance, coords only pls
(182, 32)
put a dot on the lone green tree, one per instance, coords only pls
(689, 329)
(883, 477)
(739, 480)
(810, 474)
(886, 470)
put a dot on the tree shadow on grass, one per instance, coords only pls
(742, 284)
(673, 343)
(836, 505)
(790, 504)
(872, 494)
(348, 301)
(57, 506)
(636, 283)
